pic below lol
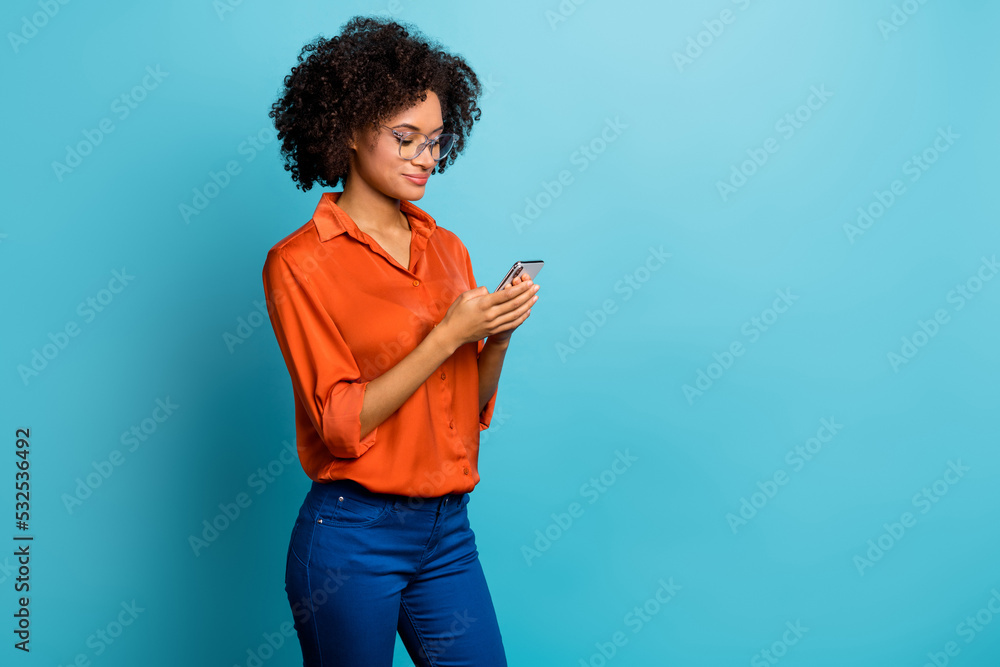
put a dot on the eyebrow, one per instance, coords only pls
(417, 129)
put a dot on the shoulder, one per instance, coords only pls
(297, 241)
(449, 240)
(294, 248)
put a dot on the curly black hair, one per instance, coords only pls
(374, 69)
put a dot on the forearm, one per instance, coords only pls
(490, 365)
(386, 393)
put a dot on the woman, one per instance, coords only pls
(381, 325)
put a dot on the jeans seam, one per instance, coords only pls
(296, 532)
(367, 523)
(312, 598)
(427, 547)
(312, 535)
(416, 631)
(312, 618)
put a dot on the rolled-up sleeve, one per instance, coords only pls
(486, 414)
(324, 374)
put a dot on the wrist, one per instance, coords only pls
(500, 341)
(443, 338)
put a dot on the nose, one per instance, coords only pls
(425, 160)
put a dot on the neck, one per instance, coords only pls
(372, 210)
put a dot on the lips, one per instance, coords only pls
(417, 178)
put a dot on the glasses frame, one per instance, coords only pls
(436, 140)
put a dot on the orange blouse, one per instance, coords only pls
(344, 311)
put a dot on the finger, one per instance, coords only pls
(528, 297)
(503, 319)
(510, 305)
(509, 292)
(517, 283)
(519, 321)
(510, 325)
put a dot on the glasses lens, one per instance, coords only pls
(443, 146)
(410, 144)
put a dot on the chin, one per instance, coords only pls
(413, 192)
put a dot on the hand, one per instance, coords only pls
(477, 313)
(504, 336)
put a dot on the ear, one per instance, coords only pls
(360, 135)
(357, 136)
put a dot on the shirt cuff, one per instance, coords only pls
(342, 429)
(487, 412)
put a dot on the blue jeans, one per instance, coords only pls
(363, 566)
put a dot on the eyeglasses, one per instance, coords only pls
(412, 144)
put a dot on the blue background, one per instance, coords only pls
(578, 387)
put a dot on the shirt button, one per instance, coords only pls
(465, 471)
(451, 424)
(442, 375)
(416, 282)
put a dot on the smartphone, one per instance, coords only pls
(530, 267)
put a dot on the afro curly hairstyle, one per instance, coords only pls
(374, 69)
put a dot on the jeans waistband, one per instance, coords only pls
(350, 487)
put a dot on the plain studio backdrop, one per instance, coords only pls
(752, 419)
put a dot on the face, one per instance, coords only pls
(381, 167)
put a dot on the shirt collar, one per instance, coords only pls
(331, 220)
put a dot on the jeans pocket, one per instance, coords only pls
(353, 511)
(295, 549)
